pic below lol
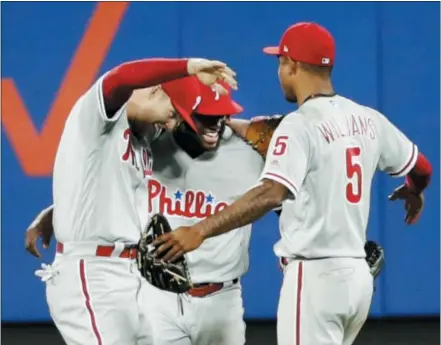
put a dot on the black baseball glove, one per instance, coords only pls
(374, 257)
(173, 277)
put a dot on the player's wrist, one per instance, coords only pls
(191, 66)
(411, 186)
(200, 231)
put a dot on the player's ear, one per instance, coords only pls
(293, 66)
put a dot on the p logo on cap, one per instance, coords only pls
(216, 104)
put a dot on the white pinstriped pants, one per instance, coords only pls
(323, 302)
(98, 301)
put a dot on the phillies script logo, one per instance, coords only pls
(190, 204)
(129, 156)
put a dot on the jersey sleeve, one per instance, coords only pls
(287, 160)
(91, 114)
(398, 154)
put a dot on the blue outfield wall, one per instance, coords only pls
(387, 57)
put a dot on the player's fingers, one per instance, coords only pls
(415, 218)
(413, 215)
(46, 241)
(230, 71)
(396, 194)
(399, 193)
(230, 80)
(31, 243)
(45, 245)
(172, 253)
(31, 247)
(160, 240)
(163, 249)
(216, 64)
(177, 256)
(220, 89)
(410, 214)
(393, 196)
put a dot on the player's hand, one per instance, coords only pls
(239, 126)
(413, 203)
(175, 244)
(31, 239)
(211, 71)
(40, 228)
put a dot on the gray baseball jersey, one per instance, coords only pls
(100, 176)
(326, 154)
(187, 190)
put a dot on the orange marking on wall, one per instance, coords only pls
(36, 151)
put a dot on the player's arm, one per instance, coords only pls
(121, 81)
(41, 227)
(285, 169)
(257, 132)
(400, 158)
(247, 209)
(101, 106)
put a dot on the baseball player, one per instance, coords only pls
(320, 165)
(193, 177)
(104, 160)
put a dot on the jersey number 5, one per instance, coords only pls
(353, 171)
(280, 145)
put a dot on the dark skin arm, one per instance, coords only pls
(252, 206)
(41, 227)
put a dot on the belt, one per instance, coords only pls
(205, 289)
(129, 252)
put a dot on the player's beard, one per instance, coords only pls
(291, 98)
(192, 142)
(288, 91)
(210, 130)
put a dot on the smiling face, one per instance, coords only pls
(210, 129)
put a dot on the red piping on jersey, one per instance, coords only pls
(283, 179)
(120, 82)
(299, 300)
(419, 177)
(88, 304)
(409, 162)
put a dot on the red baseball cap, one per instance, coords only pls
(185, 96)
(306, 42)
(214, 103)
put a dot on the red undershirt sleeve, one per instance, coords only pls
(119, 83)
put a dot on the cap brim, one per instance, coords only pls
(178, 91)
(185, 115)
(237, 108)
(271, 50)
